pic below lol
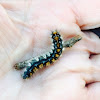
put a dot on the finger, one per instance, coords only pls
(87, 13)
(91, 74)
(94, 91)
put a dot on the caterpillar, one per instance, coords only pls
(34, 64)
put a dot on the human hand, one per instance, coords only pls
(25, 28)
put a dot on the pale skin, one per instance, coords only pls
(25, 28)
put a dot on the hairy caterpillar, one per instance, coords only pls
(34, 64)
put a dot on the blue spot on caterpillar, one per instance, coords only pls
(34, 64)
